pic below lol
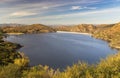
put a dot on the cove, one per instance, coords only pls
(59, 50)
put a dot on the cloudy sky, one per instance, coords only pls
(59, 11)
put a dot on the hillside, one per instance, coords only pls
(110, 34)
(89, 28)
(8, 51)
(35, 28)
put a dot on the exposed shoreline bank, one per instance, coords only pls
(14, 33)
(74, 32)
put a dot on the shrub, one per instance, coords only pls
(10, 71)
(21, 62)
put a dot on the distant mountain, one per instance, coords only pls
(12, 24)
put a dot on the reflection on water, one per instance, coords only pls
(61, 49)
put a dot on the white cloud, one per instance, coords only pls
(50, 5)
(22, 13)
(109, 15)
(39, 7)
(80, 7)
(45, 7)
(76, 7)
(90, 8)
(89, 13)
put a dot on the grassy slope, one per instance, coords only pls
(107, 68)
(111, 34)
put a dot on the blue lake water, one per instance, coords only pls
(59, 50)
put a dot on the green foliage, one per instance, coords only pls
(14, 70)
(10, 71)
(37, 72)
(107, 68)
(8, 51)
(21, 62)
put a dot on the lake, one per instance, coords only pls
(59, 50)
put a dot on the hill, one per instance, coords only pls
(89, 28)
(110, 34)
(35, 28)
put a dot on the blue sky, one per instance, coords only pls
(52, 12)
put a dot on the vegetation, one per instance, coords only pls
(35, 28)
(8, 51)
(111, 34)
(107, 68)
(15, 69)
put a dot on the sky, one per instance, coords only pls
(54, 12)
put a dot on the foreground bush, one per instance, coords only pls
(36, 72)
(10, 71)
(107, 68)
(23, 62)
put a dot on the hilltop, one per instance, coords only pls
(35, 28)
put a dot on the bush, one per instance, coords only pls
(37, 72)
(10, 71)
(21, 62)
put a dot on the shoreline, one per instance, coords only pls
(74, 32)
(22, 55)
(14, 33)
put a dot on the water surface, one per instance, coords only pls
(59, 50)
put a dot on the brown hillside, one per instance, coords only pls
(35, 28)
(111, 34)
